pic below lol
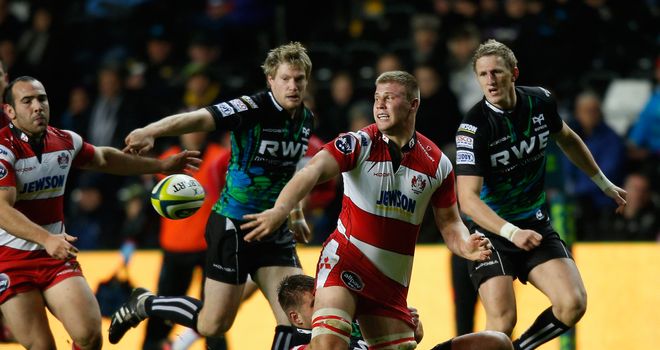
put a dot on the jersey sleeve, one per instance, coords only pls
(553, 119)
(445, 195)
(345, 149)
(83, 151)
(230, 115)
(471, 149)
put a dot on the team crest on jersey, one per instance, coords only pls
(3, 171)
(4, 282)
(238, 105)
(418, 184)
(352, 280)
(345, 144)
(63, 160)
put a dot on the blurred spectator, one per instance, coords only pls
(10, 26)
(76, 116)
(438, 107)
(335, 111)
(4, 81)
(388, 62)
(640, 220)
(462, 43)
(427, 47)
(360, 115)
(644, 136)
(203, 54)
(201, 90)
(8, 53)
(91, 219)
(153, 75)
(608, 150)
(113, 113)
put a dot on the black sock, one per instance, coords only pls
(545, 328)
(283, 338)
(182, 310)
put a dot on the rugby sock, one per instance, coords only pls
(184, 340)
(545, 328)
(282, 339)
(182, 310)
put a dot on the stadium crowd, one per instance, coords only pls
(112, 66)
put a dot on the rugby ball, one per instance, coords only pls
(177, 196)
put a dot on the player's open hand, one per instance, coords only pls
(619, 195)
(263, 224)
(186, 162)
(300, 229)
(526, 239)
(138, 142)
(59, 246)
(477, 247)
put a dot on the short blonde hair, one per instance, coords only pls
(293, 53)
(405, 79)
(493, 47)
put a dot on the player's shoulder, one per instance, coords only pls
(428, 146)
(539, 92)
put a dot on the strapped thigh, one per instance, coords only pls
(332, 321)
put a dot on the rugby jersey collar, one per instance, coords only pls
(25, 138)
(408, 146)
(279, 107)
(501, 111)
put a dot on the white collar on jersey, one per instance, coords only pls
(496, 109)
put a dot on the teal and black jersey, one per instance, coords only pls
(507, 149)
(266, 145)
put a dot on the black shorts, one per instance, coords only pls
(509, 260)
(230, 259)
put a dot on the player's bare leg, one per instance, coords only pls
(485, 340)
(499, 300)
(268, 279)
(379, 331)
(221, 302)
(25, 315)
(333, 298)
(74, 304)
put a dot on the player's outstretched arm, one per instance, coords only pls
(142, 140)
(578, 153)
(113, 161)
(13, 221)
(322, 167)
(458, 238)
(469, 188)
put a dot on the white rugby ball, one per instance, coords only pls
(177, 196)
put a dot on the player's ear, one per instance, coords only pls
(515, 74)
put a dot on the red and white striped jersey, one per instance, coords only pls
(39, 176)
(382, 208)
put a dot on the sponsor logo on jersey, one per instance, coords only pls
(418, 184)
(225, 109)
(5, 282)
(345, 144)
(45, 183)
(396, 199)
(282, 148)
(3, 152)
(26, 169)
(63, 160)
(467, 128)
(538, 119)
(3, 171)
(352, 280)
(238, 105)
(465, 157)
(382, 174)
(539, 215)
(249, 101)
(306, 131)
(464, 141)
(524, 148)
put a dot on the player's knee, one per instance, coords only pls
(214, 329)
(92, 339)
(503, 321)
(570, 310)
(397, 341)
